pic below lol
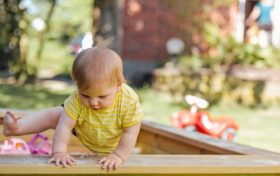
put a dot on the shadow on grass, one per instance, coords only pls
(30, 97)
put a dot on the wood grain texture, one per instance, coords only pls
(172, 140)
(147, 164)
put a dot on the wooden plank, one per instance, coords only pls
(147, 164)
(147, 149)
(163, 143)
(204, 143)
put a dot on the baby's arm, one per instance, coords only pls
(61, 138)
(124, 148)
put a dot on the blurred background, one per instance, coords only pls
(217, 50)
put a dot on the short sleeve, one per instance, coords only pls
(133, 116)
(72, 106)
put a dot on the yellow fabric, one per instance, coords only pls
(101, 130)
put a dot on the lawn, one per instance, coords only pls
(258, 127)
(31, 97)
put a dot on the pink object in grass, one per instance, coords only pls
(40, 145)
(14, 146)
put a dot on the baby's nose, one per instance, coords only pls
(94, 101)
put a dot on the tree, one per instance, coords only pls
(9, 32)
(22, 70)
(107, 21)
(42, 34)
(22, 46)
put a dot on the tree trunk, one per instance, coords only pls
(107, 22)
(42, 37)
(9, 33)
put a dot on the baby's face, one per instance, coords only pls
(100, 99)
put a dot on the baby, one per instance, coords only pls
(104, 112)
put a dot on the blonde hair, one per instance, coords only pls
(96, 68)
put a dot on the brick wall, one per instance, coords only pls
(148, 24)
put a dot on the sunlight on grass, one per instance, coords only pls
(157, 106)
(258, 127)
(31, 97)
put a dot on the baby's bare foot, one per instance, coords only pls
(10, 124)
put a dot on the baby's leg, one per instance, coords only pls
(32, 123)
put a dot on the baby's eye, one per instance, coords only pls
(85, 96)
(104, 96)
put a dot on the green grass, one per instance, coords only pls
(157, 106)
(31, 97)
(258, 127)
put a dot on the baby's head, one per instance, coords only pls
(98, 73)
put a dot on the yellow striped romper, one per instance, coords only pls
(100, 130)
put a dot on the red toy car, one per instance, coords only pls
(201, 121)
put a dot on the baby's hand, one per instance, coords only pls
(62, 158)
(110, 162)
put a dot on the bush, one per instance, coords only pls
(209, 75)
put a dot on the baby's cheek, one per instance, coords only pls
(107, 103)
(85, 102)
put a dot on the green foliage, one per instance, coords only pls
(229, 51)
(56, 59)
(71, 18)
(64, 20)
(10, 15)
(31, 96)
(207, 75)
(191, 62)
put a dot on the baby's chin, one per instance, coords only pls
(98, 107)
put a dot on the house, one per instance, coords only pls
(143, 27)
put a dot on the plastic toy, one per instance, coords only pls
(201, 121)
(40, 144)
(14, 146)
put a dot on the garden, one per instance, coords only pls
(217, 77)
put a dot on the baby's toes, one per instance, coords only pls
(12, 116)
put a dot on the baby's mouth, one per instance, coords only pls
(95, 107)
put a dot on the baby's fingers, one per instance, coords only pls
(111, 165)
(105, 164)
(73, 160)
(70, 161)
(57, 161)
(65, 162)
(51, 160)
(102, 160)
